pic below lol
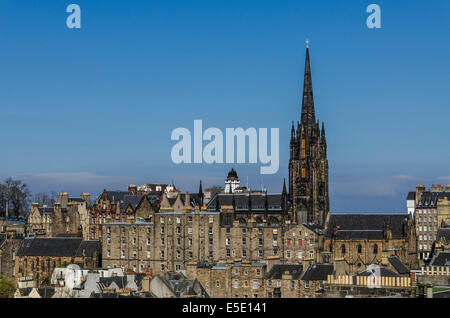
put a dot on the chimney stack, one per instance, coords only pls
(419, 189)
(87, 197)
(63, 199)
(437, 188)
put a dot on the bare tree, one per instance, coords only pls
(16, 194)
(44, 198)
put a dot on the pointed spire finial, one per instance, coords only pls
(307, 43)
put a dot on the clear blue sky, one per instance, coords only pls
(84, 110)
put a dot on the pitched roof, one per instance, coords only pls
(277, 271)
(411, 195)
(315, 227)
(49, 246)
(87, 248)
(430, 198)
(317, 272)
(132, 200)
(442, 259)
(46, 292)
(443, 233)
(120, 281)
(398, 265)
(366, 226)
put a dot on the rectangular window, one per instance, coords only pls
(255, 284)
(148, 254)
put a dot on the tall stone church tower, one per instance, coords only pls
(308, 164)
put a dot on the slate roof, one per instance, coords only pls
(88, 248)
(48, 210)
(258, 201)
(317, 272)
(183, 286)
(442, 259)
(443, 233)
(398, 265)
(429, 199)
(118, 195)
(121, 281)
(46, 292)
(25, 291)
(193, 198)
(366, 226)
(277, 271)
(315, 227)
(132, 200)
(274, 200)
(49, 246)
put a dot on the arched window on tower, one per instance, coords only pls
(359, 249)
(343, 249)
(375, 249)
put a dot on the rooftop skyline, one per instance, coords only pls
(89, 109)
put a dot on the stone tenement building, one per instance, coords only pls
(308, 164)
(232, 278)
(37, 257)
(124, 207)
(244, 279)
(431, 211)
(242, 225)
(302, 244)
(67, 216)
(355, 241)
